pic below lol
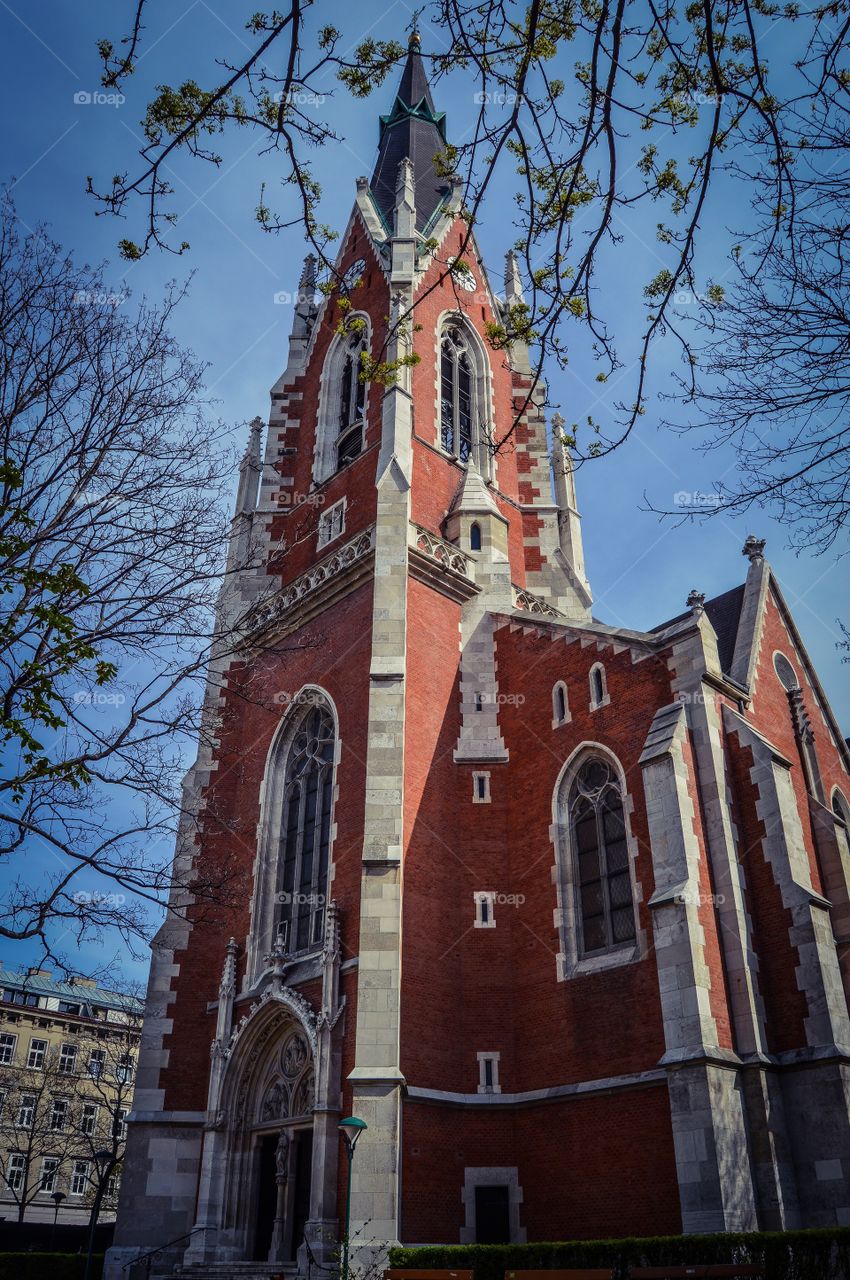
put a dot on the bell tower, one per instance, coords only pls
(403, 509)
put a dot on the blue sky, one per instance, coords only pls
(641, 569)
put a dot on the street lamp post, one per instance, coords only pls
(351, 1129)
(57, 1197)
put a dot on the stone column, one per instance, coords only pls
(322, 1228)
(706, 1106)
(815, 1079)
(696, 664)
(377, 1078)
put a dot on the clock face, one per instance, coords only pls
(464, 278)
(353, 274)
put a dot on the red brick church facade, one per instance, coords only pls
(560, 909)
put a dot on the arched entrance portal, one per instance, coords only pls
(281, 1134)
(271, 1147)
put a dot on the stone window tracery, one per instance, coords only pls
(463, 398)
(604, 900)
(352, 402)
(341, 423)
(302, 866)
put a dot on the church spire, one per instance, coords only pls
(414, 130)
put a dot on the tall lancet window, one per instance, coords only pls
(458, 393)
(352, 403)
(605, 905)
(305, 831)
(341, 419)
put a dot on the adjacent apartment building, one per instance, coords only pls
(67, 1072)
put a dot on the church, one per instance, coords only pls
(559, 910)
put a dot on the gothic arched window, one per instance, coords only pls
(459, 407)
(604, 902)
(305, 831)
(341, 423)
(352, 403)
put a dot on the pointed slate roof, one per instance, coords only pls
(472, 494)
(414, 130)
(724, 614)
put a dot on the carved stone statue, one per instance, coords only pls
(281, 1156)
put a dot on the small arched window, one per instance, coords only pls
(603, 885)
(598, 686)
(302, 865)
(352, 403)
(560, 707)
(475, 537)
(840, 809)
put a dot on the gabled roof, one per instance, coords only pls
(724, 614)
(413, 130)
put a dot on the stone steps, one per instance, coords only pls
(238, 1271)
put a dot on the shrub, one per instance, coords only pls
(55, 1266)
(822, 1254)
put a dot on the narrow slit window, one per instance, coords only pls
(481, 788)
(560, 705)
(598, 686)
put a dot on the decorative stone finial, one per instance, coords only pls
(276, 958)
(255, 431)
(331, 942)
(308, 273)
(228, 973)
(696, 601)
(513, 279)
(753, 548)
(405, 175)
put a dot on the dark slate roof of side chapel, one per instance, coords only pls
(724, 614)
(413, 130)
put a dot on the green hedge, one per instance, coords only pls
(785, 1255)
(48, 1266)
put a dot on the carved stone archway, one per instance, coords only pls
(277, 1072)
